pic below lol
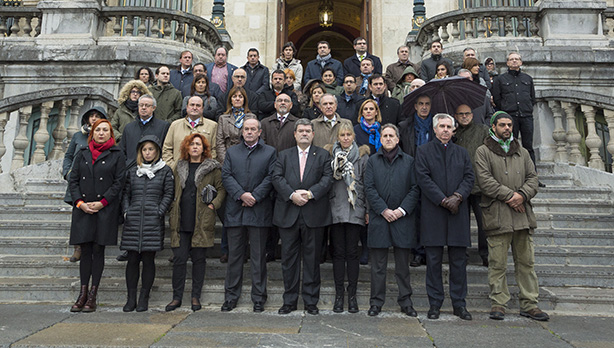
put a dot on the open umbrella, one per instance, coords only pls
(446, 95)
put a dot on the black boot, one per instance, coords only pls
(131, 302)
(143, 301)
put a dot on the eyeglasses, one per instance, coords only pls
(146, 106)
(464, 114)
(135, 92)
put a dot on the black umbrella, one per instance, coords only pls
(446, 95)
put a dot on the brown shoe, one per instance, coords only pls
(76, 256)
(535, 314)
(78, 306)
(90, 305)
(497, 313)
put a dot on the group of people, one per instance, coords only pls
(352, 167)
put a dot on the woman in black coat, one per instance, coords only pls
(96, 183)
(148, 194)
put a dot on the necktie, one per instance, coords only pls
(193, 124)
(303, 162)
(361, 57)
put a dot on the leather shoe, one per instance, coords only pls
(196, 306)
(462, 313)
(353, 304)
(228, 306)
(535, 314)
(286, 309)
(485, 261)
(418, 261)
(433, 313)
(258, 307)
(224, 258)
(409, 310)
(312, 309)
(338, 306)
(374, 310)
(497, 313)
(173, 305)
(270, 258)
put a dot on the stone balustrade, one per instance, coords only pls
(20, 22)
(67, 101)
(574, 126)
(479, 23)
(608, 23)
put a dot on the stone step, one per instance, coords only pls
(574, 255)
(578, 221)
(29, 199)
(564, 236)
(36, 213)
(556, 180)
(34, 185)
(575, 193)
(588, 206)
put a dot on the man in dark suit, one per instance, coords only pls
(302, 178)
(390, 108)
(352, 64)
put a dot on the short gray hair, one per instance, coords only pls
(250, 117)
(440, 116)
(329, 95)
(513, 52)
(463, 71)
(303, 122)
(390, 125)
(147, 96)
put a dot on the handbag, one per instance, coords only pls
(208, 194)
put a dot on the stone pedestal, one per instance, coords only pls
(70, 22)
(565, 22)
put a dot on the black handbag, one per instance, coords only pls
(208, 194)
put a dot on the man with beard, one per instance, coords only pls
(266, 99)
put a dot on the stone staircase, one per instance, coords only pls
(574, 249)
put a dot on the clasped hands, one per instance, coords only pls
(91, 207)
(392, 215)
(516, 202)
(301, 197)
(452, 202)
(248, 199)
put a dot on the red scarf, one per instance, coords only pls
(97, 149)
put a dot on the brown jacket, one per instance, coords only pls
(394, 72)
(208, 173)
(280, 138)
(181, 128)
(325, 134)
(227, 134)
(499, 175)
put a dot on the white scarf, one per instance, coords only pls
(150, 169)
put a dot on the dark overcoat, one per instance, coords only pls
(440, 172)
(247, 170)
(91, 182)
(391, 185)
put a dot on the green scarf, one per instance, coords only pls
(505, 144)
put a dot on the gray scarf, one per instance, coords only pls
(343, 168)
(323, 60)
(149, 169)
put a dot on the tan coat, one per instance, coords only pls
(181, 128)
(208, 173)
(499, 175)
(325, 134)
(227, 134)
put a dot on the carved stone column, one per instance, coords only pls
(573, 136)
(559, 135)
(3, 119)
(42, 135)
(21, 140)
(59, 133)
(592, 141)
(75, 118)
(609, 118)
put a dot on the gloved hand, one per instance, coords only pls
(451, 203)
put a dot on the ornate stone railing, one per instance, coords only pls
(479, 23)
(573, 112)
(162, 23)
(68, 102)
(26, 22)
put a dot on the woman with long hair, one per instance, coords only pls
(369, 123)
(443, 70)
(315, 90)
(145, 75)
(198, 194)
(148, 195)
(349, 213)
(229, 124)
(96, 183)
(200, 87)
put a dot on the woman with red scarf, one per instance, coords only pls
(95, 185)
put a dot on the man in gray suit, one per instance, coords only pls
(302, 178)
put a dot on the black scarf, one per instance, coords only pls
(131, 105)
(390, 155)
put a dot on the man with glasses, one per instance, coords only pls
(268, 98)
(169, 98)
(352, 64)
(349, 101)
(470, 135)
(239, 78)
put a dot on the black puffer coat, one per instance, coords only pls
(145, 202)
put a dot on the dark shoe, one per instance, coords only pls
(90, 305)
(535, 314)
(78, 306)
(173, 305)
(409, 310)
(228, 306)
(76, 255)
(338, 306)
(270, 258)
(541, 184)
(286, 309)
(497, 313)
(462, 313)
(312, 309)
(171, 258)
(353, 304)
(374, 311)
(122, 257)
(224, 258)
(143, 301)
(417, 261)
(131, 302)
(196, 306)
(364, 257)
(433, 313)
(258, 307)
(485, 261)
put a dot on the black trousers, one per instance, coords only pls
(524, 127)
(418, 250)
(474, 203)
(180, 260)
(272, 240)
(238, 238)
(148, 259)
(457, 257)
(92, 263)
(379, 263)
(296, 240)
(344, 239)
